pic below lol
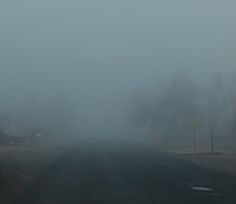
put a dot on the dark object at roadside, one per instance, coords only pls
(11, 140)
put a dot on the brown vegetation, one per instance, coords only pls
(19, 165)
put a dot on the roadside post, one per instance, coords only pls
(194, 136)
(212, 138)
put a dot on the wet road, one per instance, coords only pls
(126, 174)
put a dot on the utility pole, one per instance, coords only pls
(212, 139)
(194, 125)
(194, 140)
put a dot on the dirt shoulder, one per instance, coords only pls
(224, 162)
(19, 165)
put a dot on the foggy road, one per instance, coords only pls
(125, 173)
(151, 70)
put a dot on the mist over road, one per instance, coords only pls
(117, 172)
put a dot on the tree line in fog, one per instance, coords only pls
(183, 111)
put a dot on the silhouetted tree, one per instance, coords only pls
(176, 109)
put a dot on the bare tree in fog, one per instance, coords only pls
(218, 111)
(172, 116)
(176, 109)
(143, 114)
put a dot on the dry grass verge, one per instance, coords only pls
(19, 165)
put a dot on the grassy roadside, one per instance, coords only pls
(223, 162)
(19, 165)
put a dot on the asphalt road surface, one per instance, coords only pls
(112, 173)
